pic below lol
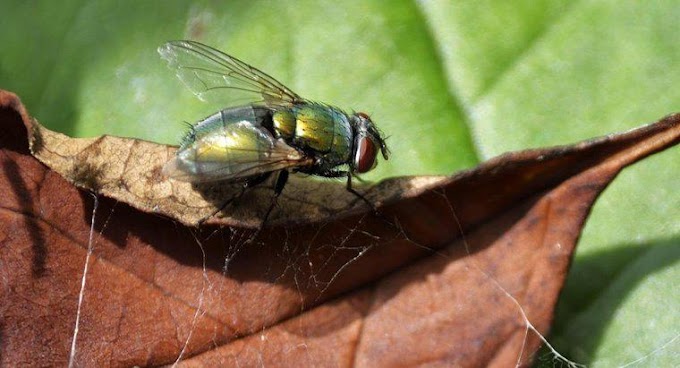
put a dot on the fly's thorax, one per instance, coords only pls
(322, 130)
(284, 124)
(314, 128)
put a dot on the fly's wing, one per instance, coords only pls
(207, 71)
(234, 152)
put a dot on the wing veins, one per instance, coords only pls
(246, 73)
(220, 73)
(249, 71)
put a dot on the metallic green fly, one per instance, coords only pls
(276, 130)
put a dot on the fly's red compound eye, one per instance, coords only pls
(364, 159)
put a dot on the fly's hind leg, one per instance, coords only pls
(249, 183)
(281, 181)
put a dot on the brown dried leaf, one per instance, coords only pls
(129, 170)
(400, 289)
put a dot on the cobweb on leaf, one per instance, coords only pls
(306, 272)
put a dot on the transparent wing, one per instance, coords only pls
(236, 151)
(207, 71)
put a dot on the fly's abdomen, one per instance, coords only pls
(254, 115)
(231, 144)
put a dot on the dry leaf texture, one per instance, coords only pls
(449, 274)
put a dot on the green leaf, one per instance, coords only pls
(451, 83)
(532, 74)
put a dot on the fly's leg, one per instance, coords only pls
(250, 183)
(339, 174)
(360, 180)
(359, 195)
(281, 181)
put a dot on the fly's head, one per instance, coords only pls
(367, 142)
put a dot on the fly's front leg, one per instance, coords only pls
(351, 190)
(339, 174)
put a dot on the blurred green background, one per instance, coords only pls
(452, 83)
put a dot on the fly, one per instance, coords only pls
(274, 130)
